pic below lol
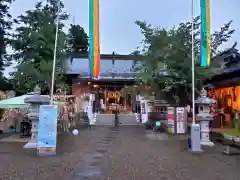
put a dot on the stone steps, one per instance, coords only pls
(109, 119)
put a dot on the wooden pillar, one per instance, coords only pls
(105, 96)
(125, 101)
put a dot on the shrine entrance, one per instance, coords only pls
(112, 100)
(115, 99)
(108, 95)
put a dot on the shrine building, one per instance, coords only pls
(116, 72)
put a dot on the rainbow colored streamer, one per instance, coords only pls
(205, 33)
(94, 47)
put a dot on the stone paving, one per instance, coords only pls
(124, 153)
(23, 164)
(134, 155)
(14, 138)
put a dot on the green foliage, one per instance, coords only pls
(5, 26)
(170, 51)
(33, 45)
(77, 39)
(63, 88)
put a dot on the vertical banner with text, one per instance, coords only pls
(47, 130)
(171, 120)
(181, 120)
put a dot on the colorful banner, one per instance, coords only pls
(91, 44)
(205, 33)
(47, 130)
(94, 47)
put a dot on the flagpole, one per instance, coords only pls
(193, 66)
(55, 54)
(195, 138)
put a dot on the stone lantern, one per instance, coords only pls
(204, 115)
(35, 100)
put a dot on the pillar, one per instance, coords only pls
(125, 100)
(205, 133)
(90, 109)
(105, 97)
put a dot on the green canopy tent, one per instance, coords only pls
(18, 102)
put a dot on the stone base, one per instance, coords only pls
(207, 143)
(228, 150)
(30, 145)
(194, 140)
(46, 151)
(195, 151)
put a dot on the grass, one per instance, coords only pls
(233, 132)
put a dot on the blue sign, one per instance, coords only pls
(47, 129)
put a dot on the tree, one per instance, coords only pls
(77, 39)
(33, 45)
(168, 57)
(5, 27)
(135, 53)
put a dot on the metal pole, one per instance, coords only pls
(193, 66)
(55, 54)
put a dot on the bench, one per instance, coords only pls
(231, 147)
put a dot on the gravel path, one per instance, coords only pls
(134, 156)
(23, 164)
(124, 153)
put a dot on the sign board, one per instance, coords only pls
(47, 130)
(180, 120)
(171, 120)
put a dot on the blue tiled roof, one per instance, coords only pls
(118, 69)
(232, 67)
(109, 69)
(76, 66)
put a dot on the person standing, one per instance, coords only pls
(116, 112)
(64, 117)
(71, 114)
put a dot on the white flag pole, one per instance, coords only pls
(55, 54)
(193, 66)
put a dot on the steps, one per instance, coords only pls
(104, 120)
(128, 119)
(109, 119)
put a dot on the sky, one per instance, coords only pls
(117, 29)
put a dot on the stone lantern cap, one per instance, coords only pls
(36, 98)
(203, 99)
